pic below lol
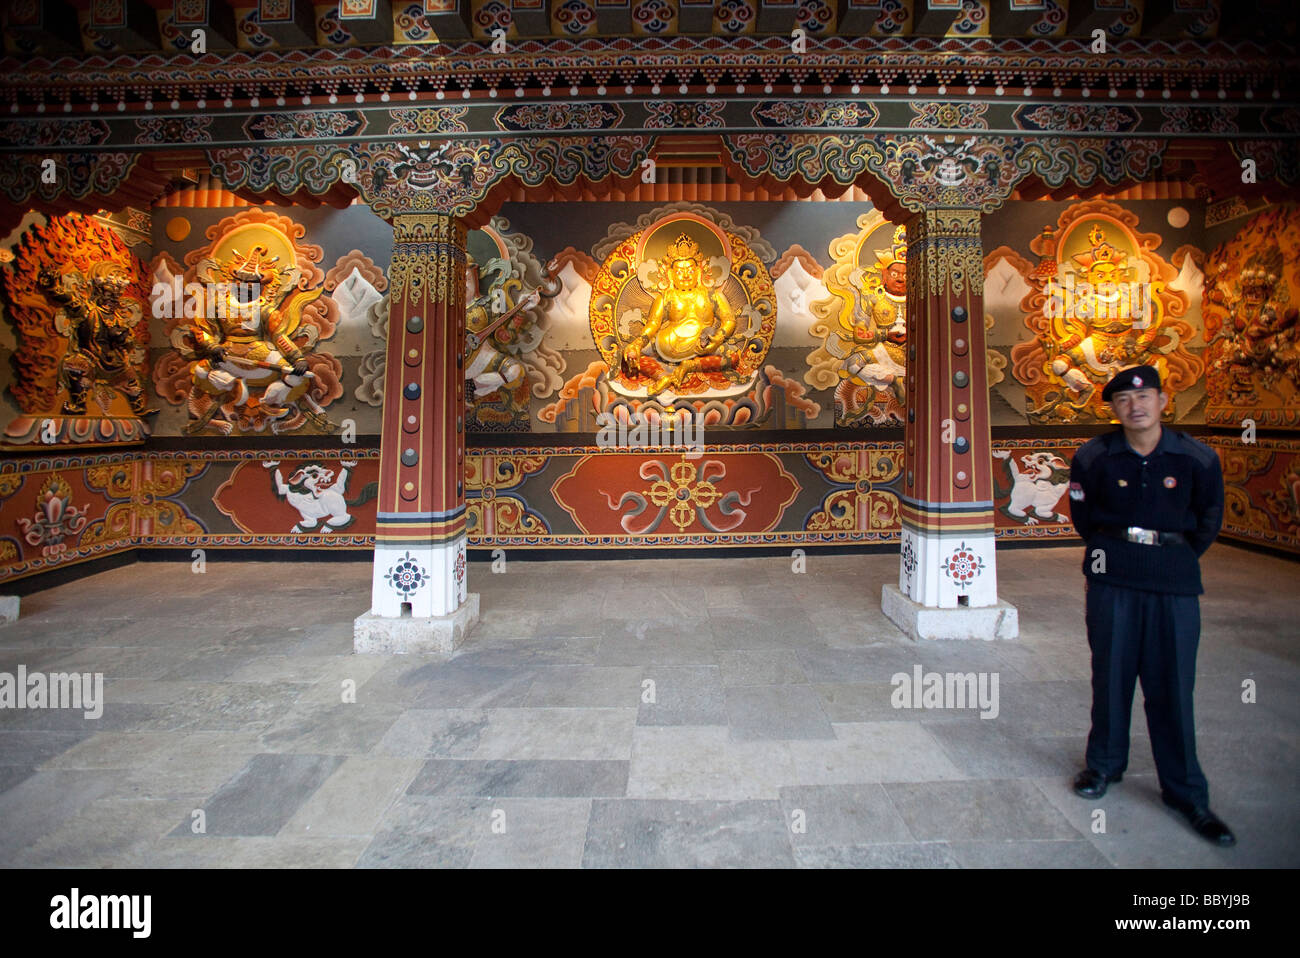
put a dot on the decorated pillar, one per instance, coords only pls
(947, 502)
(419, 569)
(947, 558)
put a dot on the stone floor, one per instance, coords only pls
(769, 739)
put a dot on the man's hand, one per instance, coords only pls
(299, 367)
(216, 355)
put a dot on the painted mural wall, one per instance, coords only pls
(234, 355)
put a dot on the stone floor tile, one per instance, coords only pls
(557, 733)
(107, 833)
(696, 762)
(909, 855)
(978, 811)
(687, 695)
(535, 833)
(41, 803)
(842, 815)
(36, 747)
(263, 795)
(585, 686)
(11, 775)
(354, 799)
(419, 831)
(350, 729)
(761, 667)
(992, 750)
(535, 778)
(775, 712)
(872, 752)
(627, 833)
(536, 718)
(434, 733)
(654, 642)
(1028, 854)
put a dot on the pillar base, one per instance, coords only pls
(8, 609)
(440, 635)
(1001, 621)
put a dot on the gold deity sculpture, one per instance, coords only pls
(875, 334)
(688, 329)
(250, 367)
(1104, 320)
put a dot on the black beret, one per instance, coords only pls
(1135, 377)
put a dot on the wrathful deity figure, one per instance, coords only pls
(99, 323)
(249, 367)
(1256, 347)
(877, 332)
(689, 329)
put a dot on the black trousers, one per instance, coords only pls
(1151, 636)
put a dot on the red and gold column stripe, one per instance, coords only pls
(422, 454)
(947, 459)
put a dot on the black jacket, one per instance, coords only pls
(1177, 488)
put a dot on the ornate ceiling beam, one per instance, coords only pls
(450, 20)
(614, 17)
(921, 172)
(77, 183)
(42, 27)
(531, 18)
(369, 27)
(777, 16)
(215, 19)
(1070, 59)
(1024, 18)
(1213, 91)
(467, 177)
(470, 177)
(286, 23)
(857, 17)
(695, 16)
(1181, 18)
(173, 124)
(1118, 18)
(130, 26)
(935, 17)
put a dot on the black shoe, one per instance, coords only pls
(1092, 784)
(1204, 822)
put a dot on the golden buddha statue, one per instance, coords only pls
(877, 332)
(688, 327)
(1106, 326)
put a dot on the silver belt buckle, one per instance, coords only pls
(1145, 536)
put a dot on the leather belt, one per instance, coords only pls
(1146, 537)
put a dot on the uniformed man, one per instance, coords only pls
(1148, 501)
